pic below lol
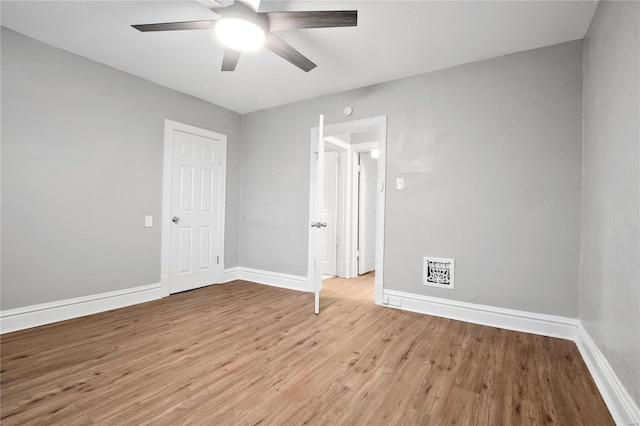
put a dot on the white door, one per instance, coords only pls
(367, 213)
(316, 225)
(329, 238)
(196, 209)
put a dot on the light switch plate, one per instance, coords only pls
(148, 221)
(399, 183)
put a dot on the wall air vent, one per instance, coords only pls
(438, 272)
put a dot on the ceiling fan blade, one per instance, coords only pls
(284, 50)
(280, 21)
(173, 26)
(230, 59)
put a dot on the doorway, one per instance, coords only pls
(354, 198)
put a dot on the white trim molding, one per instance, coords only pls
(231, 274)
(622, 407)
(47, 313)
(274, 279)
(510, 319)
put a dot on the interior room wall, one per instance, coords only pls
(82, 147)
(610, 290)
(491, 157)
(490, 153)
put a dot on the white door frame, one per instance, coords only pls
(357, 149)
(165, 251)
(379, 123)
(344, 258)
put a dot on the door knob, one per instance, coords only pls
(175, 219)
(322, 224)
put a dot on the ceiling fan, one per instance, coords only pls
(240, 27)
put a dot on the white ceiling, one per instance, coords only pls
(393, 39)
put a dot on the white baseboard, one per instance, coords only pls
(275, 279)
(47, 313)
(231, 274)
(622, 407)
(510, 319)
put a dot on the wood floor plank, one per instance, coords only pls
(247, 354)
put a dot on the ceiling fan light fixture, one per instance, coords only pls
(240, 27)
(240, 34)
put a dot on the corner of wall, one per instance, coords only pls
(622, 407)
(241, 190)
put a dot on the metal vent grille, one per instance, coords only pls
(438, 272)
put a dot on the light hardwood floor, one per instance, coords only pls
(247, 354)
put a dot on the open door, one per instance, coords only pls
(316, 152)
(316, 225)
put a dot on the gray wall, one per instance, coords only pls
(491, 156)
(82, 166)
(610, 290)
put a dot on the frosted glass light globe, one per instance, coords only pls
(239, 34)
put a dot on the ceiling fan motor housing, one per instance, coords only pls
(239, 10)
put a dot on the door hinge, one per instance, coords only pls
(217, 260)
